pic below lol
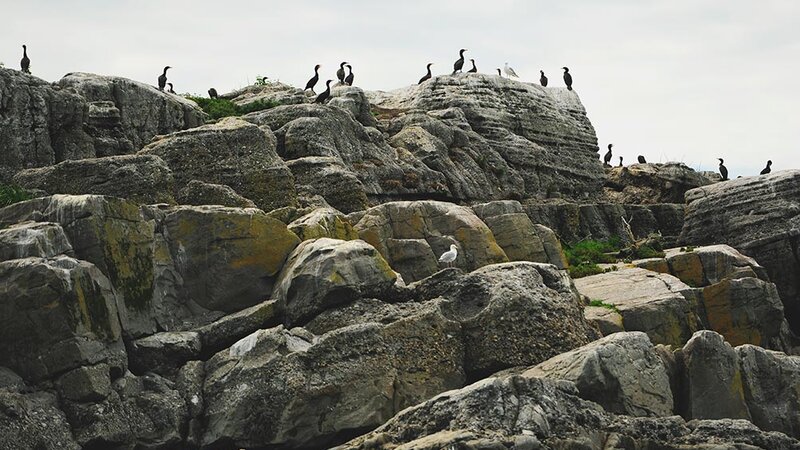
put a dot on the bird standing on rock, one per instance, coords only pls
(349, 78)
(313, 81)
(543, 79)
(449, 256)
(620, 161)
(567, 78)
(474, 69)
(459, 62)
(340, 72)
(499, 73)
(509, 71)
(427, 76)
(723, 170)
(607, 156)
(767, 169)
(25, 63)
(170, 90)
(212, 93)
(641, 159)
(325, 94)
(162, 79)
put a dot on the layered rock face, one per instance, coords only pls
(652, 183)
(760, 216)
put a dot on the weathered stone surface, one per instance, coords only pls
(621, 372)
(713, 380)
(658, 304)
(516, 314)
(55, 315)
(189, 383)
(329, 178)
(124, 115)
(227, 258)
(771, 388)
(323, 273)
(10, 381)
(744, 311)
(271, 91)
(33, 421)
(759, 216)
(164, 353)
(323, 222)
(111, 234)
(224, 332)
(141, 178)
(495, 138)
(86, 384)
(608, 321)
(200, 193)
(40, 124)
(371, 371)
(652, 183)
(354, 100)
(439, 225)
(231, 152)
(33, 239)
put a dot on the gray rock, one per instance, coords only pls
(55, 315)
(200, 193)
(621, 372)
(268, 92)
(33, 239)
(164, 353)
(328, 177)
(704, 266)
(354, 100)
(323, 273)
(222, 333)
(608, 321)
(10, 381)
(141, 178)
(189, 383)
(124, 115)
(323, 222)
(231, 152)
(712, 380)
(760, 217)
(86, 384)
(513, 231)
(652, 183)
(33, 421)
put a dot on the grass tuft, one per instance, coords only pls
(12, 194)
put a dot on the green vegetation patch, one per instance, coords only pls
(602, 304)
(591, 251)
(584, 270)
(12, 194)
(218, 108)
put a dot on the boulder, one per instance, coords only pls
(57, 314)
(223, 332)
(33, 239)
(141, 178)
(86, 384)
(411, 235)
(200, 193)
(10, 381)
(124, 115)
(707, 265)
(323, 222)
(712, 381)
(652, 183)
(658, 304)
(189, 383)
(271, 91)
(230, 152)
(353, 100)
(760, 217)
(323, 273)
(607, 320)
(164, 353)
(621, 372)
(329, 178)
(33, 421)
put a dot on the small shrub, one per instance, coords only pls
(646, 251)
(217, 108)
(603, 304)
(687, 249)
(584, 270)
(12, 194)
(592, 251)
(258, 105)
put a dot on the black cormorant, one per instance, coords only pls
(620, 161)
(25, 64)
(567, 78)
(162, 79)
(325, 94)
(767, 169)
(313, 81)
(543, 79)
(607, 156)
(723, 170)
(474, 69)
(509, 71)
(340, 72)
(499, 72)
(212, 93)
(427, 76)
(349, 78)
(459, 62)
(170, 90)
(641, 159)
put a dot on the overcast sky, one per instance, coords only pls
(686, 80)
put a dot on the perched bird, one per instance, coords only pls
(543, 79)
(607, 156)
(340, 72)
(427, 76)
(567, 78)
(459, 62)
(509, 71)
(723, 170)
(641, 159)
(499, 73)
(313, 81)
(25, 63)
(449, 256)
(325, 94)
(212, 93)
(474, 69)
(767, 169)
(162, 79)
(170, 90)
(349, 78)
(620, 161)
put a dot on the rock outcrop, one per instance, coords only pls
(200, 193)
(652, 183)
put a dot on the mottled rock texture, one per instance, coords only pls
(652, 183)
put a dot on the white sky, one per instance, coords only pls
(687, 80)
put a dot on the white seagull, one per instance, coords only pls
(510, 72)
(450, 255)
